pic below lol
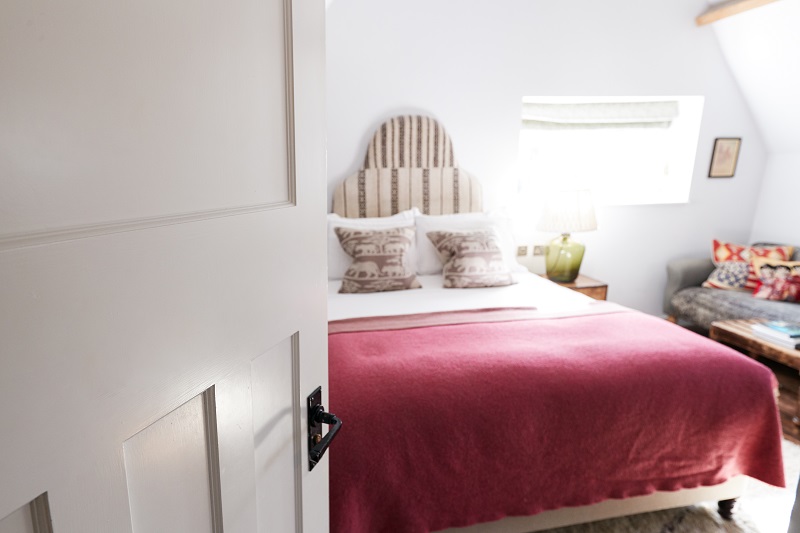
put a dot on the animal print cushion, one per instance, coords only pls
(471, 259)
(380, 259)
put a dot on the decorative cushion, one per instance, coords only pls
(380, 260)
(338, 260)
(429, 260)
(726, 252)
(777, 280)
(471, 259)
(781, 253)
(730, 276)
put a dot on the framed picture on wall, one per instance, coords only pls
(724, 157)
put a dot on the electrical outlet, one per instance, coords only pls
(539, 250)
(522, 251)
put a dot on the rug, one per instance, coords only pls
(761, 509)
(694, 519)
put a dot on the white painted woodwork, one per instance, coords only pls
(150, 108)
(236, 450)
(40, 514)
(31, 518)
(143, 113)
(167, 469)
(274, 438)
(258, 441)
(728, 9)
(18, 522)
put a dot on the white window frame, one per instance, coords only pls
(671, 186)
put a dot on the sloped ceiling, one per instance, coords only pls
(762, 47)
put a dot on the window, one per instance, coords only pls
(627, 150)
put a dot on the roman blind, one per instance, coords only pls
(538, 115)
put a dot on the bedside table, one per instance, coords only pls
(586, 285)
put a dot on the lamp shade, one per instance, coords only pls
(568, 212)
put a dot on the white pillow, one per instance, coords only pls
(339, 261)
(428, 260)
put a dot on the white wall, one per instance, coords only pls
(762, 47)
(776, 215)
(469, 63)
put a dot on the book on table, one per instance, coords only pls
(777, 338)
(789, 330)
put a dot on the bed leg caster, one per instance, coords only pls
(726, 508)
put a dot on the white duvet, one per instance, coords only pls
(548, 298)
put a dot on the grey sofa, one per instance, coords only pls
(687, 302)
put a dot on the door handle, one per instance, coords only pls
(317, 444)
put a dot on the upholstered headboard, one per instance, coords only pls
(409, 163)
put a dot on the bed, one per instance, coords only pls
(519, 407)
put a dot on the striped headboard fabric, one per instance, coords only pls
(409, 163)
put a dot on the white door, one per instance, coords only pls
(162, 265)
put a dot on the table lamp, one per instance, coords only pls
(566, 212)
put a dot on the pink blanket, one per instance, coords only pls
(450, 425)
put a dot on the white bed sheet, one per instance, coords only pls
(548, 298)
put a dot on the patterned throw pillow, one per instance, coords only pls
(338, 260)
(730, 276)
(726, 252)
(471, 259)
(777, 280)
(380, 260)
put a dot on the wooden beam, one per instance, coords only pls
(729, 8)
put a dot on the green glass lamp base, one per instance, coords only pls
(563, 259)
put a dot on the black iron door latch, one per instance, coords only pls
(317, 444)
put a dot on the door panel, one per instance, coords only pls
(166, 465)
(236, 450)
(108, 328)
(174, 102)
(18, 522)
(260, 441)
(277, 437)
(31, 518)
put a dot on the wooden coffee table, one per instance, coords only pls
(738, 334)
